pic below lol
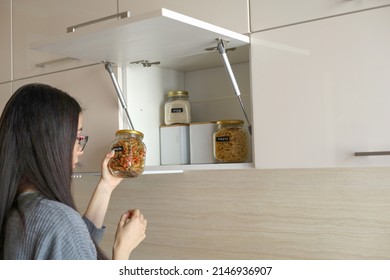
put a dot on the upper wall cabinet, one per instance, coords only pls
(41, 19)
(266, 14)
(5, 41)
(162, 36)
(321, 92)
(230, 14)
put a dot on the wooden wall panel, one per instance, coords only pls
(256, 214)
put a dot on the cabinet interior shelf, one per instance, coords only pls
(187, 167)
(162, 36)
(177, 169)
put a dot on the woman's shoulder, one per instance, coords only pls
(59, 208)
(57, 214)
(62, 227)
(46, 208)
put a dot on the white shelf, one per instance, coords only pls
(162, 35)
(172, 169)
(180, 168)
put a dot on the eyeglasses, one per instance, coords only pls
(82, 142)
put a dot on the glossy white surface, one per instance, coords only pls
(201, 142)
(155, 36)
(266, 14)
(321, 91)
(175, 144)
(230, 14)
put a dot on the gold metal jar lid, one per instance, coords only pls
(128, 131)
(238, 122)
(177, 93)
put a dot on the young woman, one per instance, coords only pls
(40, 143)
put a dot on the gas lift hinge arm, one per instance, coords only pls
(108, 67)
(222, 51)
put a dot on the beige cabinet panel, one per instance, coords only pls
(93, 88)
(321, 92)
(5, 41)
(265, 14)
(230, 14)
(41, 19)
(5, 94)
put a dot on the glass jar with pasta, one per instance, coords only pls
(230, 141)
(130, 152)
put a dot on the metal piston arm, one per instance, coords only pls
(222, 51)
(108, 67)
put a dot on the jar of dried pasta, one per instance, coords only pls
(130, 152)
(177, 108)
(230, 141)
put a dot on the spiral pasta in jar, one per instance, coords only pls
(130, 152)
(230, 141)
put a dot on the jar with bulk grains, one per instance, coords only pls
(230, 141)
(130, 152)
(177, 108)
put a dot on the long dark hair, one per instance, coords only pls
(38, 128)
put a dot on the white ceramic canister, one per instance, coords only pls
(201, 142)
(174, 144)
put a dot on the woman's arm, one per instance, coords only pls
(97, 207)
(132, 224)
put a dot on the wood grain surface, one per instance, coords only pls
(255, 214)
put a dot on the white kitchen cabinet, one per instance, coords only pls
(40, 19)
(5, 42)
(321, 92)
(92, 88)
(210, 92)
(179, 44)
(266, 14)
(230, 14)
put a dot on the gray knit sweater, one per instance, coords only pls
(43, 229)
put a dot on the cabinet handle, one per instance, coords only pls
(55, 61)
(367, 154)
(120, 15)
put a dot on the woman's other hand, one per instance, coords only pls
(130, 233)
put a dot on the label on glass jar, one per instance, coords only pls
(222, 138)
(177, 110)
(118, 148)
